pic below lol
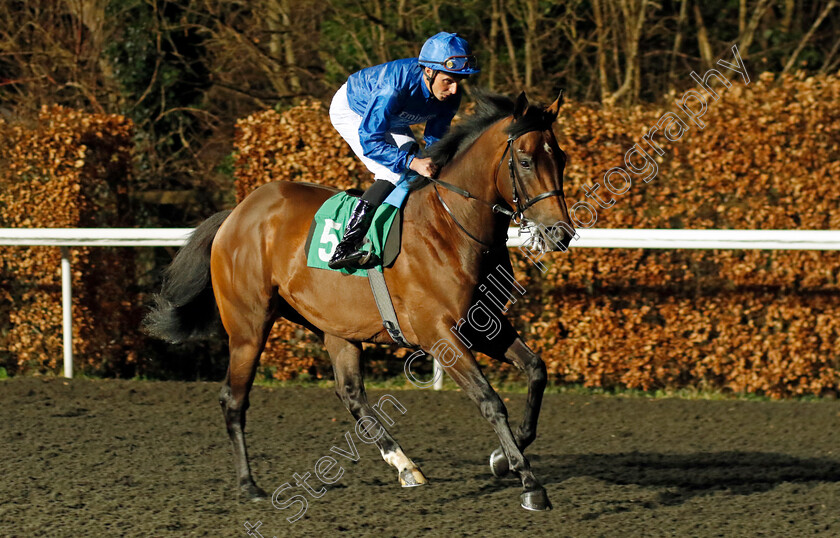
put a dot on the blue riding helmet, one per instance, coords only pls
(448, 52)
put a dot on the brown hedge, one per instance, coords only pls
(746, 321)
(66, 169)
(743, 321)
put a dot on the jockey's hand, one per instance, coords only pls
(424, 166)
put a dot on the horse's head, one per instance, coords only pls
(530, 174)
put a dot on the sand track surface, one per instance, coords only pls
(139, 458)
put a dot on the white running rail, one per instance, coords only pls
(589, 238)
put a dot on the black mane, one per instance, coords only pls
(490, 108)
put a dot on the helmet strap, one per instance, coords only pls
(431, 81)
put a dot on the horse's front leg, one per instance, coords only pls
(529, 362)
(459, 362)
(507, 346)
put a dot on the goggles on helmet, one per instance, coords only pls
(458, 63)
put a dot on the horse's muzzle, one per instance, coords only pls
(559, 237)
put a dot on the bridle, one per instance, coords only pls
(516, 181)
(517, 186)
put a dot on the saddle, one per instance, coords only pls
(383, 238)
(382, 241)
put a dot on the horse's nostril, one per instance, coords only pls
(560, 236)
(557, 233)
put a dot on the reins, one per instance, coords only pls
(516, 216)
(465, 194)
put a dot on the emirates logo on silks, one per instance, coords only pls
(413, 118)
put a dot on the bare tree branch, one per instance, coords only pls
(808, 35)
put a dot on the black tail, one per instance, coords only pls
(185, 309)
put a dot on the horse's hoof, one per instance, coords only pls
(410, 478)
(536, 500)
(499, 465)
(252, 492)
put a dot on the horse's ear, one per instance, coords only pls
(520, 106)
(554, 108)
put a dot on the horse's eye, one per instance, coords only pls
(525, 164)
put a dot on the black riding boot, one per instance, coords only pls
(347, 252)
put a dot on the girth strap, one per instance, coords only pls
(386, 307)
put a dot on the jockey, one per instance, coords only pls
(373, 111)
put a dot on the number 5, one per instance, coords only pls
(328, 237)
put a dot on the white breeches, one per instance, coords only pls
(347, 122)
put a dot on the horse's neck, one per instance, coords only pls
(474, 170)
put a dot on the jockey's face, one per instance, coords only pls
(445, 85)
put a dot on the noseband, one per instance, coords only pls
(517, 187)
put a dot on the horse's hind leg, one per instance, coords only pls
(247, 336)
(350, 388)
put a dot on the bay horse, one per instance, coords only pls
(248, 267)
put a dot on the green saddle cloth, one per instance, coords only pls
(328, 227)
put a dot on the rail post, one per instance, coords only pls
(67, 311)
